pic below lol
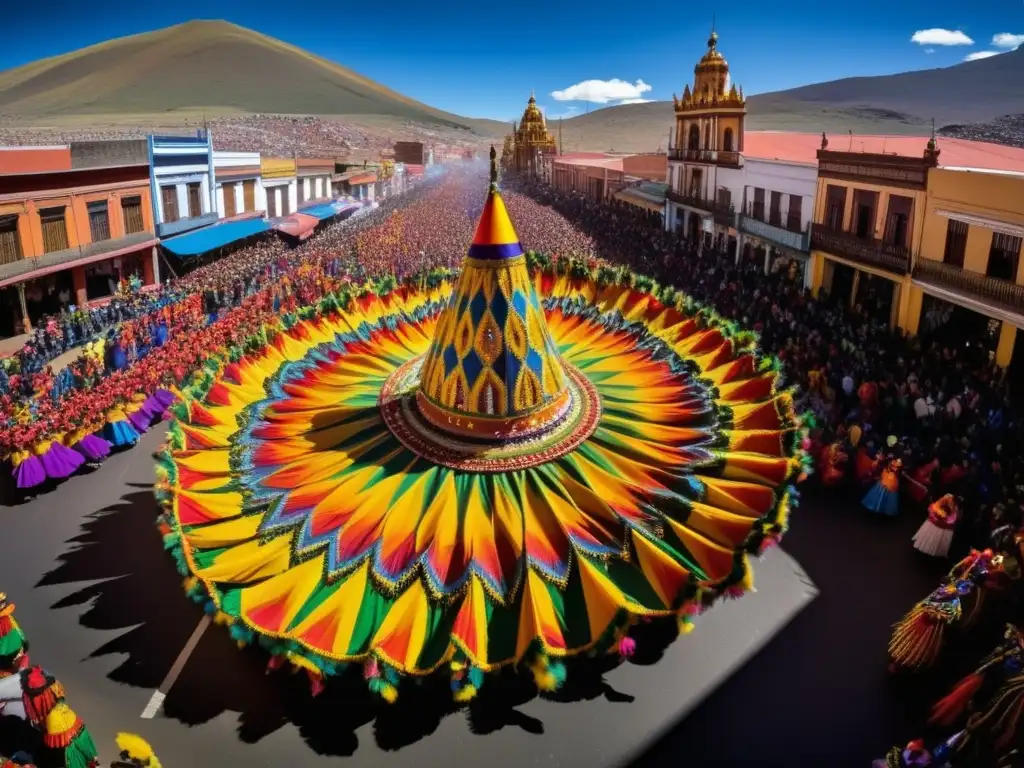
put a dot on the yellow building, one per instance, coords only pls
(933, 228)
(529, 142)
(970, 256)
(707, 142)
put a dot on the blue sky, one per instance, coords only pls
(482, 59)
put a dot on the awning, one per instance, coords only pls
(328, 210)
(298, 225)
(363, 178)
(217, 236)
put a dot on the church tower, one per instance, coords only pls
(530, 141)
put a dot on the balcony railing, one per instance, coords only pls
(988, 290)
(870, 252)
(171, 228)
(712, 156)
(797, 241)
(723, 213)
(69, 256)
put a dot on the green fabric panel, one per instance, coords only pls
(572, 610)
(372, 610)
(12, 642)
(438, 632)
(631, 580)
(231, 602)
(321, 593)
(502, 626)
(204, 558)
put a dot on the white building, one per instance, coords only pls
(777, 207)
(314, 180)
(239, 185)
(182, 182)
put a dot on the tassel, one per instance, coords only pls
(547, 675)
(917, 640)
(949, 708)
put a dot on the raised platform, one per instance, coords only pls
(121, 615)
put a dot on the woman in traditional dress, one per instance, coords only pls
(923, 478)
(936, 533)
(884, 496)
(833, 465)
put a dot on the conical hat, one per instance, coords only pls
(492, 371)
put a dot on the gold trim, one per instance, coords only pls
(515, 261)
(492, 427)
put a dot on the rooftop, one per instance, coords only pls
(955, 153)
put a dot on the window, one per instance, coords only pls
(724, 198)
(272, 202)
(1003, 257)
(835, 207)
(758, 211)
(169, 198)
(249, 195)
(10, 243)
(775, 210)
(195, 202)
(55, 232)
(695, 183)
(131, 212)
(694, 138)
(229, 200)
(99, 221)
(795, 217)
(286, 201)
(727, 140)
(956, 243)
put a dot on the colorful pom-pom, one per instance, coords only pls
(627, 647)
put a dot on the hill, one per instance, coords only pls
(203, 65)
(976, 92)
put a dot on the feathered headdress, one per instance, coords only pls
(135, 752)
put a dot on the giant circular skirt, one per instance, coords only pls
(318, 527)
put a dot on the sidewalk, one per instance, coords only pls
(10, 346)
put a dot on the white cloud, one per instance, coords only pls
(635, 101)
(602, 91)
(1007, 40)
(940, 37)
(929, 50)
(980, 55)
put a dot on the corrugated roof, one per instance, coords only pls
(958, 153)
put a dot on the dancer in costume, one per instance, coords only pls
(13, 645)
(923, 478)
(507, 470)
(936, 533)
(66, 738)
(988, 703)
(884, 496)
(833, 464)
(918, 638)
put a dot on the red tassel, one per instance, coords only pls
(948, 709)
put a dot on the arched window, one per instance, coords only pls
(694, 140)
(727, 140)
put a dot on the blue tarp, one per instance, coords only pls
(326, 210)
(203, 240)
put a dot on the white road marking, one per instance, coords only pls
(156, 701)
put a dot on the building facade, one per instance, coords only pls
(239, 184)
(280, 184)
(313, 183)
(529, 143)
(182, 182)
(704, 156)
(775, 217)
(868, 223)
(968, 274)
(69, 235)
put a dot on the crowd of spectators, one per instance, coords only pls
(1008, 130)
(941, 407)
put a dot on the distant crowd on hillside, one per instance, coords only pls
(1008, 130)
(280, 135)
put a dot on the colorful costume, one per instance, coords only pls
(13, 646)
(833, 469)
(936, 533)
(134, 753)
(918, 638)
(67, 736)
(923, 478)
(884, 496)
(459, 478)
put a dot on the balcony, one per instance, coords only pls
(787, 237)
(27, 268)
(723, 214)
(990, 291)
(869, 251)
(709, 156)
(171, 228)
